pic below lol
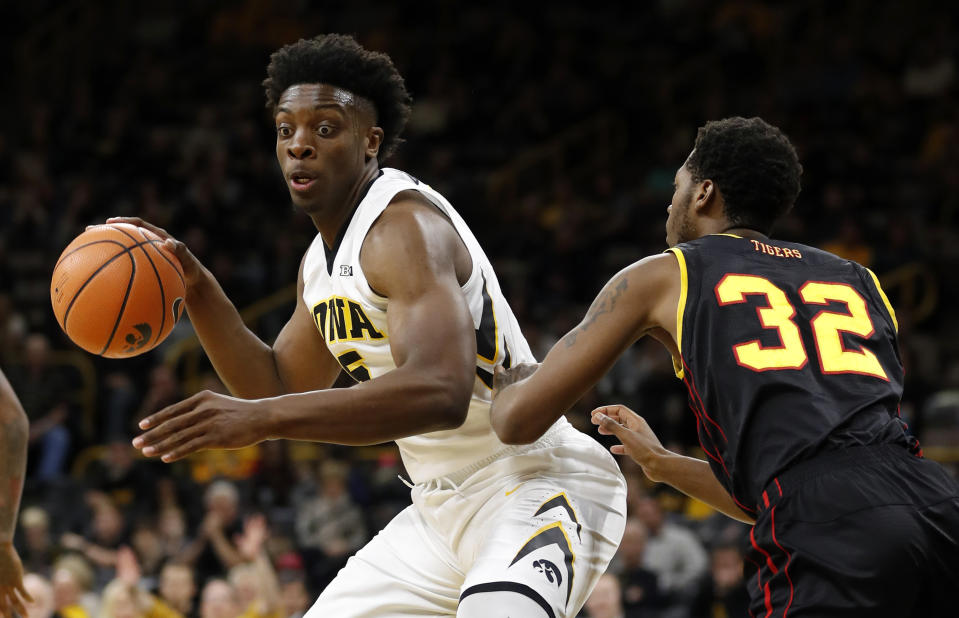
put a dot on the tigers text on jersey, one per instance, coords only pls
(787, 351)
(352, 319)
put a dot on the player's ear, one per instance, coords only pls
(374, 139)
(705, 195)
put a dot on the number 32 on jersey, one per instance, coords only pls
(827, 326)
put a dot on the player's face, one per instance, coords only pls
(322, 140)
(678, 226)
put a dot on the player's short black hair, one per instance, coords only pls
(338, 60)
(753, 164)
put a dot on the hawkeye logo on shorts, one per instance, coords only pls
(550, 570)
(341, 319)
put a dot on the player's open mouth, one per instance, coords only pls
(301, 181)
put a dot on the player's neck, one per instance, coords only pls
(331, 227)
(745, 232)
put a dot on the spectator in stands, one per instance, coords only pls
(72, 582)
(640, 589)
(39, 551)
(177, 587)
(295, 597)
(329, 526)
(43, 391)
(213, 552)
(254, 581)
(606, 599)
(722, 592)
(219, 600)
(672, 552)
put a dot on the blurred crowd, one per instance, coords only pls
(588, 111)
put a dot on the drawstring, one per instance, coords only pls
(404, 481)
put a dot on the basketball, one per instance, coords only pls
(116, 291)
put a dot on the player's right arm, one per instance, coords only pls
(298, 361)
(14, 429)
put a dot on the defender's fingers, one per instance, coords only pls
(617, 449)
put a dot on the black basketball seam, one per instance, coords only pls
(159, 281)
(123, 306)
(66, 314)
(89, 244)
(176, 268)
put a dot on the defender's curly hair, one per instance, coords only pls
(338, 60)
(753, 164)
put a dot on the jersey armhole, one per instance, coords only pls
(885, 300)
(680, 310)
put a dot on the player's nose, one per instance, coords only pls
(300, 146)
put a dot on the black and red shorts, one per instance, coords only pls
(864, 531)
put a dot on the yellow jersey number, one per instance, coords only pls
(827, 326)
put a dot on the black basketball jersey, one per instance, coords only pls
(787, 351)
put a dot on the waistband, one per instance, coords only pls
(551, 437)
(787, 482)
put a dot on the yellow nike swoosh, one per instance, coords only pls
(514, 489)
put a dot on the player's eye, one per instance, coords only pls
(284, 131)
(324, 130)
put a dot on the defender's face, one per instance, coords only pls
(320, 143)
(678, 226)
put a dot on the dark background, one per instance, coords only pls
(554, 129)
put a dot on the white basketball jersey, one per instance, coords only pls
(352, 319)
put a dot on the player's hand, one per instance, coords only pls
(192, 269)
(206, 420)
(505, 377)
(638, 440)
(13, 596)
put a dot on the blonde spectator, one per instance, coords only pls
(123, 598)
(72, 581)
(255, 584)
(219, 600)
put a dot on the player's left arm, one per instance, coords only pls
(14, 429)
(641, 297)
(409, 257)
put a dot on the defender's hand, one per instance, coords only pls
(206, 420)
(638, 440)
(192, 269)
(504, 377)
(13, 596)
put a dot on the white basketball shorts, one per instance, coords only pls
(534, 530)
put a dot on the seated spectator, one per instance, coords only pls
(72, 581)
(722, 591)
(254, 581)
(296, 599)
(124, 598)
(39, 551)
(213, 552)
(43, 391)
(672, 552)
(329, 526)
(606, 599)
(640, 588)
(177, 587)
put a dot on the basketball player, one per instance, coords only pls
(396, 291)
(790, 357)
(14, 429)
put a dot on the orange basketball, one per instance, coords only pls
(117, 291)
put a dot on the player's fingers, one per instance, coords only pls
(23, 593)
(196, 444)
(137, 221)
(622, 432)
(171, 412)
(183, 435)
(617, 449)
